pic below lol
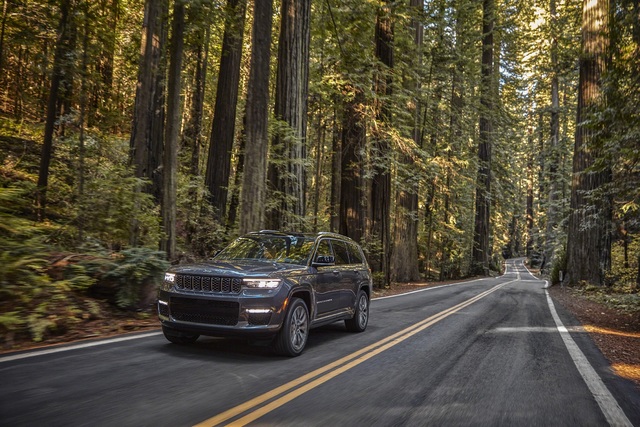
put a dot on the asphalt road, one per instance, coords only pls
(487, 352)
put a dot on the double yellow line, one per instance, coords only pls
(281, 395)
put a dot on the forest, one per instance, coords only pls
(443, 135)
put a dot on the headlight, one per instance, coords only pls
(169, 277)
(261, 283)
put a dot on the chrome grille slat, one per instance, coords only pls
(208, 284)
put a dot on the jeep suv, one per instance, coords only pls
(269, 284)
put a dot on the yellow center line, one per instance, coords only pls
(342, 365)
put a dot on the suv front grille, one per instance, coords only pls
(208, 284)
(205, 311)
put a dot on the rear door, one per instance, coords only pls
(348, 274)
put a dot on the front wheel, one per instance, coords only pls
(361, 316)
(177, 337)
(293, 335)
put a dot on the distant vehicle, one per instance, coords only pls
(269, 284)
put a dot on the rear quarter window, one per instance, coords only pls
(355, 255)
(341, 252)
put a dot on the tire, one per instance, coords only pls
(177, 337)
(361, 316)
(293, 335)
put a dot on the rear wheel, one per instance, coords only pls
(293, 335)
(178, 337)
(361, 317)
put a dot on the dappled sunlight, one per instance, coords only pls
(631, 372)
(601, 330)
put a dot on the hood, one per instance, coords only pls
(245, 268)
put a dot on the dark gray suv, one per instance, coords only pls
(269, 284)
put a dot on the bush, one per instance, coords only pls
(129, 278)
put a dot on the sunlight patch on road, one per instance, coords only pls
(630, 372)
(606, 331)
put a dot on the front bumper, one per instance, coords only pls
(252, 312)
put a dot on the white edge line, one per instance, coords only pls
(75, 347)
(427, 289)
(608, 405)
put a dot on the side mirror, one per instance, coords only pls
(324, 260)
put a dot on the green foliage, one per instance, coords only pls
(199, 233)
(132, 273)
(31, 297)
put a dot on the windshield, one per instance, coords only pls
(284, 249)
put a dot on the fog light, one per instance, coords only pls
(258, 310)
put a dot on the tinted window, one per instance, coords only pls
(341, 252)
(354, 254)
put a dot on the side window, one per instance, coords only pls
(354, 254)
(341, 252)
(324, 249)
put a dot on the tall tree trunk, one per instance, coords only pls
(146, 134)
(530, 197)
(381, 181)
(5, 9)
(170, 158)
(481, 255)
(287, 174)
(404, 262)
(224, 115)
(336, 175)
(103, 88)
(351, 175)
(589, 243)
(257, 142)
(550, 238)
(81, 120)
(61, 52)
(193, 131)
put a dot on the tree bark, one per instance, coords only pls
(481, 254)
(287, 177)
(589, 242)
(550, 238)
(530, 197)
(336, 175)
(147, 129)
(351, 175)
(170, 157)
(381, 181)
(5, 9)
(224, 116)
(62, 50)
(255, 167)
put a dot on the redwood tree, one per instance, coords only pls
(589, 236)
(224, 115)
(63, 47)
(257, 139)
(287, 177)
(170, 158)
(148, 119)
(481, 253)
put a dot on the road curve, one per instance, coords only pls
(493, 351)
